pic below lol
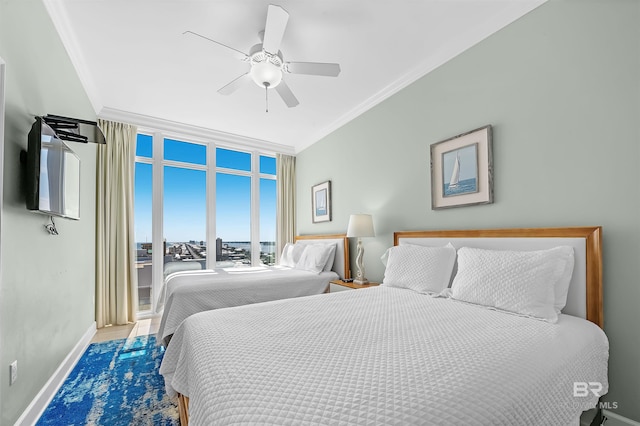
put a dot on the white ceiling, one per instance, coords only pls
(137, 66)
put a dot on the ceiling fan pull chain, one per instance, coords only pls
(266, 96)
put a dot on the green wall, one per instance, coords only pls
(561, 87)
(47, 287)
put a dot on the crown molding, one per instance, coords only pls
(151, 124)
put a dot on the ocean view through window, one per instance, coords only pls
(198, 206)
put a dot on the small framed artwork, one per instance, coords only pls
(462, 170)
(321, 202)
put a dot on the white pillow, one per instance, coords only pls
(562, 286)
(286, 258)
(331, 258)
(420, 268)
(385, 256)
(291, 254)
(314, 257)
(522, 282)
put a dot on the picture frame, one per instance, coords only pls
(462, 170)
(321, 202)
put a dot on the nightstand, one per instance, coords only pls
(339, 285)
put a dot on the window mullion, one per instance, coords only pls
(255, 208)
(234, 171)
(181, 165)
(157, 201)
(212, 250)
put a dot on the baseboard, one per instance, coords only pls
(614, 419)
(33, 412)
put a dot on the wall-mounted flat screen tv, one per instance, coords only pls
(53, 174)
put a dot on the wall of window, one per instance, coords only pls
(197, 206)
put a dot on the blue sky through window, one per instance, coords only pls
(267, 165)
(267, 209)
(185, 152)
(185, 205)
(185, 194)
(233, 159)
(233, 207)
(144, 147)
(142, 203)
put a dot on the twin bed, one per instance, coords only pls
(188, 292)
(415, 350)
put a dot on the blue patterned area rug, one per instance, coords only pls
(115, 383)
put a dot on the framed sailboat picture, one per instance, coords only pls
(321, 202)
(462, 170)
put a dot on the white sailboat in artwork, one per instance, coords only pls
(455, 176)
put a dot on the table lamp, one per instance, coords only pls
(360, 225)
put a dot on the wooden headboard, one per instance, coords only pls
(585, 290)
(341, 262)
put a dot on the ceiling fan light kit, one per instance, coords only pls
(267, 64)
(266, 69)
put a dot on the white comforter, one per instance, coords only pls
(188, 292)
(382, 356)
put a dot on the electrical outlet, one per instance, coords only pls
(13, 367)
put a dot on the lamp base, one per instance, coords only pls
(363, 281)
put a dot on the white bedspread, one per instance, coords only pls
(188, 292)
(382, 356)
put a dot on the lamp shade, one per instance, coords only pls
(360, 225)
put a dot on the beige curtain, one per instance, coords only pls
(286, 204)
(116, 278)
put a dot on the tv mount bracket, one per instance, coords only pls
(75, 129)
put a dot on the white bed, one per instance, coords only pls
(185, 293)
(389, 355)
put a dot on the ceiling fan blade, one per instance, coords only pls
(216, 42)
(235, 84)
(277, 19)
(286, 94)
(313, 68)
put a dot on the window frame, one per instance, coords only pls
(158, 164)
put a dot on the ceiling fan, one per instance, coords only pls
(267, 63)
